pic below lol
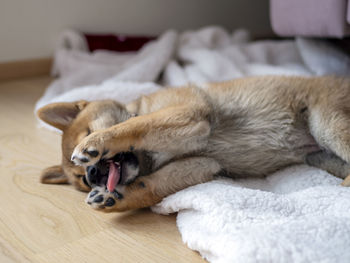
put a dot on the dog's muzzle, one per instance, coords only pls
(122, 169)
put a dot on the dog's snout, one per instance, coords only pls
(92, 173)
(97, 174)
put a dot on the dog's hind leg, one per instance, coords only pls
(330, 126)
(329, 162)
(148, 190)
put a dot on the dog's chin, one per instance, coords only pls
(122, 169)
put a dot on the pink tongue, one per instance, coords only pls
(113, 177)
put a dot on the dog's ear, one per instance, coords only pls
(60, 115)
(53, 175)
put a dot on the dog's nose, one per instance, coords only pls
(92, 173)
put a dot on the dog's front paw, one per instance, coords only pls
(101, 199)
(90, 150)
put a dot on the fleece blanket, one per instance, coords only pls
(300, 214)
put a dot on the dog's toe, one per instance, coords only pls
(110, 202)
(98, 199)
(85, 156)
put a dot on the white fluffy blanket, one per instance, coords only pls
(296, 215)
(300, 214)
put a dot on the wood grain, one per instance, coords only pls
(51, 223)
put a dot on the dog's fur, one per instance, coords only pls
(244, 127)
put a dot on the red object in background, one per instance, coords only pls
(120, 43)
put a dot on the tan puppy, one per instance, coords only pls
(162, 143)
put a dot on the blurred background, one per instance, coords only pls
(29, 29)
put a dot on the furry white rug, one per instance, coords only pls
(297, 215)
(300, 214)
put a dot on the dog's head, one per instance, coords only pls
(76, 120)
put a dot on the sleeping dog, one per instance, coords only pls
(132, 156)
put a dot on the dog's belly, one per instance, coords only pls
(244, 151)
(254, 161)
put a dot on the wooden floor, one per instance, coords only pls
(50, 223)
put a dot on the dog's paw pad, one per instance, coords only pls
(98, 199)
(92, 153)
(93, 193)
(110, 202)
